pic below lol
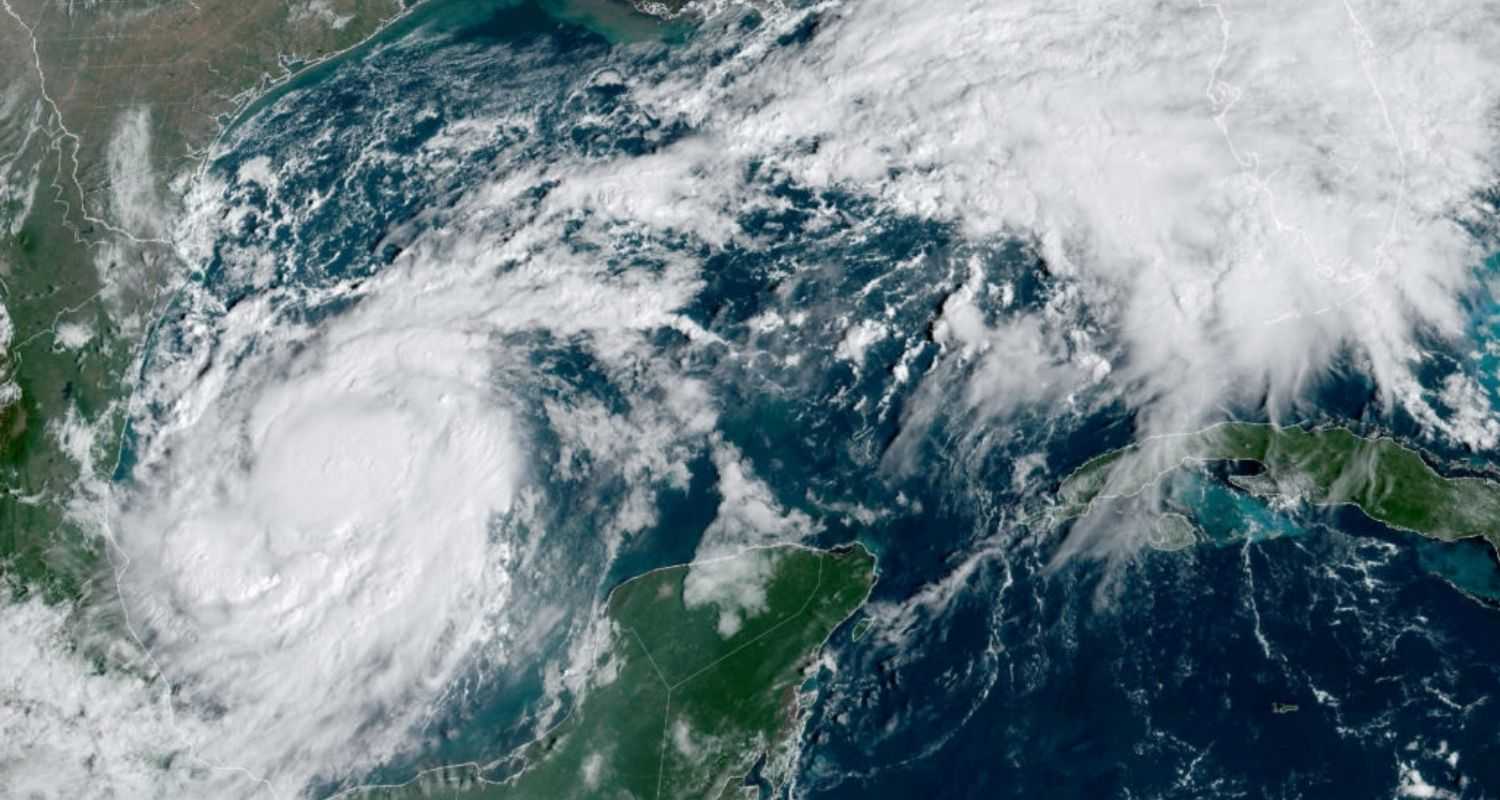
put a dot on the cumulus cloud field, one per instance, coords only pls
(306, 549)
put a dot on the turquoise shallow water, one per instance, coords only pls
(1469, 565)
(1230, 516)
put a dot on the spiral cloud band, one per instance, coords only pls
(323, 521)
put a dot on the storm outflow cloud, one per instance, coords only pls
(1243, 191)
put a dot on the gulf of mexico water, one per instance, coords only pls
(1291, 653)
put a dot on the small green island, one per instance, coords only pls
(694, 693)
(1389, 482)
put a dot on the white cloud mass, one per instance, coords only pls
(309, 541)
(1243, 191)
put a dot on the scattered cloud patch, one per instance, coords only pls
(593, 770)
(10, 392)
(72, 335)
(858, 339)
(735, 586)
(749, 513)
(134, 197)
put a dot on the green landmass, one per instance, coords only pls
(675, 708)
(1389, 482)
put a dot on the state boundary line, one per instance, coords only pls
(666, 724)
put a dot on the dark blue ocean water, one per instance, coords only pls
(989, 671)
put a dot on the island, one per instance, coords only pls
(1389, 482)
(695, 691)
